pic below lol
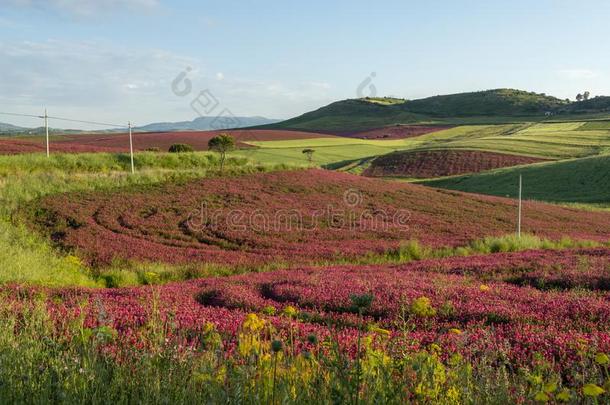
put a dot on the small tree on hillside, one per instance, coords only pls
(222, 144)
(585, 95)
(579, 97)
(309, 153)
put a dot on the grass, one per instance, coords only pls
(328, 151)
(413, 250)
(549, 141)
(552, 141)
(583, 181)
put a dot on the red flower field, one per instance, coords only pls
(437, 163)
(197, 139)
(469, 305)
(119, 142)
(294, 216)
(14, 147)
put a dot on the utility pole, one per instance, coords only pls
(133, 170)
(46, 129)
(519, 219)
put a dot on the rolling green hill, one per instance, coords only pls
(582, 180)
(483, 107)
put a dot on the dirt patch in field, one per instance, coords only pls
(438, 163)
(295, 216)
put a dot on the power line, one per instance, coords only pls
(22, 115)
(87, 122)
(63, 119)
(46, 118)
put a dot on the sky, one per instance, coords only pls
(154, 60)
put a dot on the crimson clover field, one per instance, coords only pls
(415, 293)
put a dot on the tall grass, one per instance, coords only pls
(413, 250)
(107, 162)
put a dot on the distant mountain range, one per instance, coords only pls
(10, 128)
(207, 123)
(198, 124)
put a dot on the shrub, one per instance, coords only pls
(154, 149)
(180, 148)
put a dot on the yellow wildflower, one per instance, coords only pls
(602, 359)
(484, 288)
(541, 397)
(290, 311)
(564, 395)
(253, 323)
(592, 390)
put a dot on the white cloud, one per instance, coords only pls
(97, 80)
(577, 74)
(86, 8)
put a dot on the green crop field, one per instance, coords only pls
(582, 180)
(554, 141)
(548, 140)
(328, 151)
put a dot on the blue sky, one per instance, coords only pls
(115, 60)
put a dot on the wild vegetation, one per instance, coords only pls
(294, 217)
(422, 333)
(241, 277)
(26, 256)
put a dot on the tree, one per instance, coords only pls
(586, 95)
(309, 153)
(180, 147)
(222, 144)
(579, 97)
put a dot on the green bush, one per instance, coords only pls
(180, 148)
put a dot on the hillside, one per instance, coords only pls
(578, 180)
(196, 222)
(482, 107)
